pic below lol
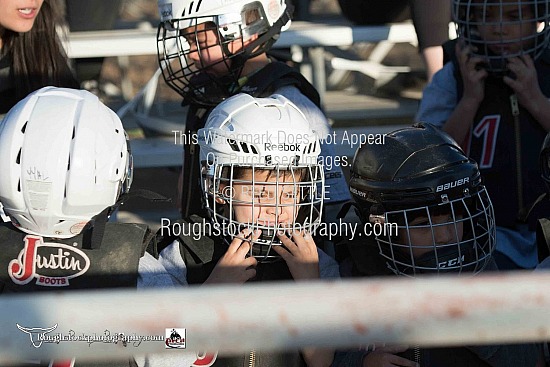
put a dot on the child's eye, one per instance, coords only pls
(260, 195)
(289, 195)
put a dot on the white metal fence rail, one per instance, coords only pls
(497, 308)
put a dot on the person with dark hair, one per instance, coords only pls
(430, 17)
(492, 97)
(437, 218)
(31, 53)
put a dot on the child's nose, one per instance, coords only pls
(444, 234)
(499, 29)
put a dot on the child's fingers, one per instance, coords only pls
(237, 241)
(250, 273)
(285, 239)
(250, 262)
(282, 252)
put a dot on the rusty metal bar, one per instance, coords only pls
(497, 308)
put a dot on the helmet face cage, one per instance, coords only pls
(297, 190)
(498, 30)
(205, 82)
(459, 237)
(208, 82)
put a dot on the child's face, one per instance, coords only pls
(265, 203)
(504, 31)
(205, 49)
(446, 230)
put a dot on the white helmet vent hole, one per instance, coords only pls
(245, 147)
(74, 133)
(24, 127)
(69, 164)
(19, 186)
(116, 171)
(18, 159)
(116, 131)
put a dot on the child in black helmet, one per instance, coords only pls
(438, 219)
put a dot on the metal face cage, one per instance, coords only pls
(497, 30)
(454, 236)
(269, 198)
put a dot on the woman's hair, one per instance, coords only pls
(37, 57)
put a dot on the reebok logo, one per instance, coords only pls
(282, 147)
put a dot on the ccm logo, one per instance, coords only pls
(450, 185)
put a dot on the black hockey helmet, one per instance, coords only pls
(421, 182)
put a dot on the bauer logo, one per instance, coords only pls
(452, 185)
(175, 338)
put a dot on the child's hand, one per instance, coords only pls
(525, 84)
(235, 266)
(473, 74)
(302, 257)
(386, 357)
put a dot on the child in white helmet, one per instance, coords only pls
(262, 187)
(66, 165)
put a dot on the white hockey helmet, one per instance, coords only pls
(255, 135)
(235, 22)
(64, 158)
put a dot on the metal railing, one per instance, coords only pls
(488, 309)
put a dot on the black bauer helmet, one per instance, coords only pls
(501, 29)
(428, 193)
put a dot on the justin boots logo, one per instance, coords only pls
(45, 261)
